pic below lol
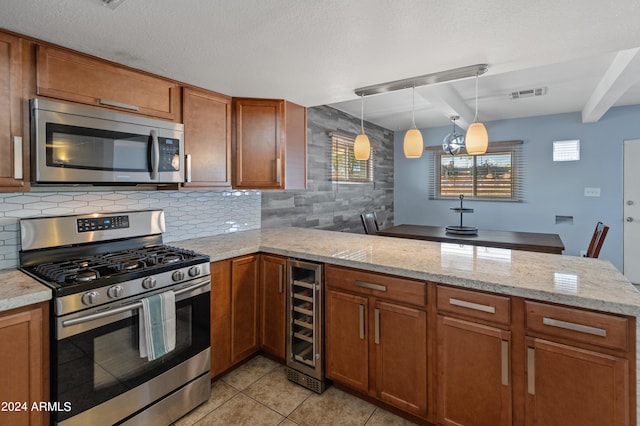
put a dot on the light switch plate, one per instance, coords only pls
(592, 192)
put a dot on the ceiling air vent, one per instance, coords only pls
(529, 93)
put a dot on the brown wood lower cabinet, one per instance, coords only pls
(374, 344)
(273, 304)
(573, 386)
(244, 307)
(474, 386)
(482, 358)
(347, 348)
(23, 357)
(580, 367)
(234, 311)
(400, 337)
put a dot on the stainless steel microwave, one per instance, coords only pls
(86, 145)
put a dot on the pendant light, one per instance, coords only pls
(413, 144)
(361, 146)
(453, 143)
(476, 140)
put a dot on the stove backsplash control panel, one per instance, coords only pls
(102, 223)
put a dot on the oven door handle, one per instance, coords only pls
(131, 307)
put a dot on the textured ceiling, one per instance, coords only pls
(318, 52)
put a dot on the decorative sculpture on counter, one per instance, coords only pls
(462, 230)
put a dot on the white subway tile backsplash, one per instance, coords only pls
(188, 214)
(58, 198)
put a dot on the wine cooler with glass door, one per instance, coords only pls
(305, 354)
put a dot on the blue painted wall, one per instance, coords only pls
(551, 188)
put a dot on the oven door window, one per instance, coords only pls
(93, 149)
(97, 365)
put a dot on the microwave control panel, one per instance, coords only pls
(102, 223)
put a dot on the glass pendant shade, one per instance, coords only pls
(361, 147)
(413, 144)
(476, 139)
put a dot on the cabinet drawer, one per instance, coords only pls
(473, 304)
(379, 285)
(604, 330)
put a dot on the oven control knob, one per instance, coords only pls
(178, 276)
(90, 297)
(114, 292)
(194, 271)
(149, 282)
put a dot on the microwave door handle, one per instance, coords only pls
(155, 152)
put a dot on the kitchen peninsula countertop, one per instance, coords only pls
(575, 281)
(581, 282)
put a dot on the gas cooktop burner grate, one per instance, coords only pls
(91, 268)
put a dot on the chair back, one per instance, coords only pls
(370, 223)
(597, 240)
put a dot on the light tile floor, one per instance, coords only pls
(258, 393)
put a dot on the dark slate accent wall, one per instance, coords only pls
(327, 205)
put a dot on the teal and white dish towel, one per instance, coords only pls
(157, 325)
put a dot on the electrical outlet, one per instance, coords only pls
(592, 192)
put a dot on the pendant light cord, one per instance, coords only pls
(413, 107)
(362, 114)
(475, 118)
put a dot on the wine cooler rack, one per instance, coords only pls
(304, 342)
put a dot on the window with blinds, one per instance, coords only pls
(495, 175)
(344, 166)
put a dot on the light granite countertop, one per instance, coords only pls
(17, 289)
(581, 282)
(575, 281)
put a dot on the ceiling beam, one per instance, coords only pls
(623, 73)
(444, 98)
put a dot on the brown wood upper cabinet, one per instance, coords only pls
(207, 138)
(14, 151)
(71, 76)
(270, 138)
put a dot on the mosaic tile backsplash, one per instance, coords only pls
(188, 214)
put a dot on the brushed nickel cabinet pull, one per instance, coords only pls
(280, 283)
(376, 336)
(371, 286)
(471, 305)
(187, 162)
(361, 317)
(596, 331)
(531, 371)
(116, 104)
(505, 363)
(17, 157)
(278, 170)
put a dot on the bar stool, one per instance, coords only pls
(370, 223)
(597, 240)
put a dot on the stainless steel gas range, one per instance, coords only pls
(102, 269)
